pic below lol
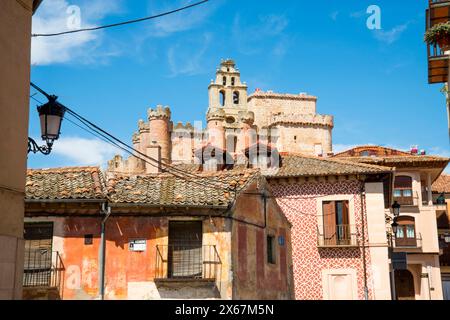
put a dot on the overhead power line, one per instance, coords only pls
(109, 138)
(120, 23)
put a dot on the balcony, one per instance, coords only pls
(411, 201)
(187, 263)
(438, 12)
(344, 235)
(408, 243)
(43, 272)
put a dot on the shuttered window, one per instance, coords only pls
(336, 228)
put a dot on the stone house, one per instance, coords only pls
(15, 41)
(339, 246)
(441, 199)
(417, 234)
(218, 235)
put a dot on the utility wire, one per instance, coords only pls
(111, 142)
(120, 23)
(125, 147)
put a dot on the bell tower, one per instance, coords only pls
(228, 93)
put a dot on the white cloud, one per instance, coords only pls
(188, 59)
(53, 16)
(79, 151)
(334, 15)
(249, 38)
(392, 35)
(178, 22)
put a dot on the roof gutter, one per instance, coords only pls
(66, 200)
(144, 205)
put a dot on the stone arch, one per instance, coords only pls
(236, 97)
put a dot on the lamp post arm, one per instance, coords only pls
(35, 148)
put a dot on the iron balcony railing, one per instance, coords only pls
(408, 243)
(344, 235)
(43, 268)
(187, 262)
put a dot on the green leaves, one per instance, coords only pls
(436, 32)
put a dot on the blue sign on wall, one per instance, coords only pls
(281, 240)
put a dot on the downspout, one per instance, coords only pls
(106, 210)
(363, 206)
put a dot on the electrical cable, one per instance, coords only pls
(111, 142)
(160, 164)
(120, 23)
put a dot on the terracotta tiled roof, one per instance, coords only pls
(168, 190)
(65, 183)
(80, 183)
(299, 165)
(400, 161)
(378, 150)
(442, 184)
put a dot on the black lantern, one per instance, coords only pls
(396, 209)
(394, 226)
(51, 115)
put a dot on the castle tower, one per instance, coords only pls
(160, 131)
(227, 92)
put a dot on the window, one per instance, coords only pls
(406, 232)
(38, 254)
(271, 250)
(336, 228)
(88, 239)
(232, 81)
(403, 193)
(236, 97)
(224, 81)
(222, 98)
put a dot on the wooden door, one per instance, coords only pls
(404, 285)
(185, 249)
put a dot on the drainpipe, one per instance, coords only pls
(363, 205)
(106, 210)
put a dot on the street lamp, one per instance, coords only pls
(396, 209)
(51, 115)
(394, 226)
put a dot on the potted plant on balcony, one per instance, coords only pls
(440, 35)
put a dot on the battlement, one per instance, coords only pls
(304, 119)
(218, 114)
(159, 113)
(136, 138)
(144, 127)
(185, 127)
(258, 94)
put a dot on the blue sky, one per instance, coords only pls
(373, 81)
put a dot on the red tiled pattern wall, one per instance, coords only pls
(299, 203)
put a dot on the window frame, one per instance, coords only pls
(402, 199)
(271, 257)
